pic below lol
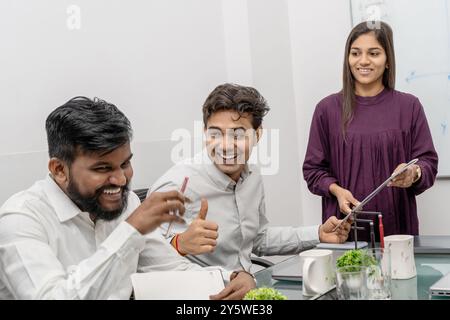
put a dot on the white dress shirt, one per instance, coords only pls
(238, 209)
(49, 249)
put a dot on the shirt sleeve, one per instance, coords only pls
(282, 240)
(158, 255)
(30, 269)
(316, 166)
(423, 149)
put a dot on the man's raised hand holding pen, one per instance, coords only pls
(182, 190)
(156, 209)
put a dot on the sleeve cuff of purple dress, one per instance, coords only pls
(325, 185)
(418, 174)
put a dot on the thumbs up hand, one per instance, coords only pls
(201, 235)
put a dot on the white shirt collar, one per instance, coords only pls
(220, 178)
(64, 207)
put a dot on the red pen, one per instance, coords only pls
(381, 228)
(183, 186)
(182, 190)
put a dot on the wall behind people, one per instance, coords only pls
(157, 61)
(318, 33)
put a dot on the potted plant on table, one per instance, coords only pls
(369, 266)
(354, 266)
(264, 293)
(355, 258)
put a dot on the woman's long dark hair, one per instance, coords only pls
(383, 34)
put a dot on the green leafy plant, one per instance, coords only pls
(355, 258)
(264, 293)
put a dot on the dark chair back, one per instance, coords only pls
(141, 193)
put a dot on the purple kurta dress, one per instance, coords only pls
(387, 129)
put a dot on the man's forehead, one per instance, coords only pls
(229, 119)
(105, 154)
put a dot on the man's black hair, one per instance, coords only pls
(83, 126)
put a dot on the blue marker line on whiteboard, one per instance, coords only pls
(444, 128)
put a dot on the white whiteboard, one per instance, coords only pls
(422, 48)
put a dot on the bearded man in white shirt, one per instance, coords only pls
(227, 216)
(80, 233)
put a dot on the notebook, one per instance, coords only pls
(177, 285)
(441, 287)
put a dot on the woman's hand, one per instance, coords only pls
(407, 178)
(345, 198)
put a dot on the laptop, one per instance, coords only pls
(432, 244)
(288, 270)
(441, 287)
(342, 246)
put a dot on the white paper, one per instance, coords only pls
(177, 285)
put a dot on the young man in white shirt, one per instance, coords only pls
(80, 233)
(229, 193)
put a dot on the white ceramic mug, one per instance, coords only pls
(317, 271)
(403, 265)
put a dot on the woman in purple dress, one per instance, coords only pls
(362, 134)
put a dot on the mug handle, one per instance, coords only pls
(307, 266)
